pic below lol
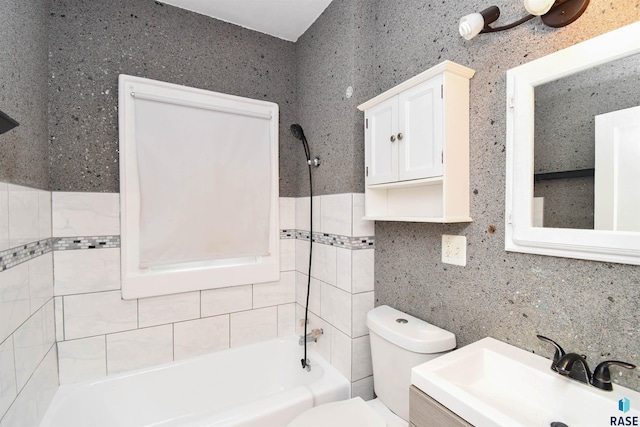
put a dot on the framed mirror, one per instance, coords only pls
(565, 162)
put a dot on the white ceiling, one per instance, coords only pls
(285, 19)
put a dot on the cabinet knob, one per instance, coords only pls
(400, 136)
(393, 138)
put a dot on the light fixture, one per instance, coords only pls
(556, 14)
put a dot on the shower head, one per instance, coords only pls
(297, 131)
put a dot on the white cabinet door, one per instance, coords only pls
(421, 131)
(381, 142)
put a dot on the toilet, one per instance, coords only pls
(398, 343)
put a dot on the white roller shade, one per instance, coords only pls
(204, 183)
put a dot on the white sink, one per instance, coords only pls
(491, 383)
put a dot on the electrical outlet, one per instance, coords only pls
(454, 250)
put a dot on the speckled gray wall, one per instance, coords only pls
(334, 54)
(24, 151)
(92, 42)
(589, 307)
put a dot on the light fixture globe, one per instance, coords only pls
(538, 7)
(470, 25)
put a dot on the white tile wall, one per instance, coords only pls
(40, 281)
(343, 269)
(59, 315)
(30, 347)
(335, 307)
(275, 293)
(82, 359)
(85, 214)
(301, 292)
(201, 336)
(33, 401)
(140, 348)
(324, 265)
(302, 256)
(363, 388)
(8, 387)
(361, 227)
(44, 214)
(287, 213)
(24, 215)
(341, 287)
(15, 306)
(286, 320)
(341, 352)
(361, 362)
(226, 300)
(28, 361)
(302, 213)
(168, 309)
(253, 326)
(335, 214)
(287, 254)
(361, 304)
(362, 270)
(99, 313)
(86, 271)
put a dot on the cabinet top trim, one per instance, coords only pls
(446, 66)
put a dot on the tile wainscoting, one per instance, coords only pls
(28, 359)
(99, 334)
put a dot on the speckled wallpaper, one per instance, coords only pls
(24, 150)
(588, 307)
(92, 42)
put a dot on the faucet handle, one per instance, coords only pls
(558, 354)
(602, 377)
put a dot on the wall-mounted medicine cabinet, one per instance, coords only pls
(417, 148)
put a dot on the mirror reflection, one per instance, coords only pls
(582, 180)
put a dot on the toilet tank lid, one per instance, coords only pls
(415, 334)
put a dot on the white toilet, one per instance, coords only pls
(398, 343)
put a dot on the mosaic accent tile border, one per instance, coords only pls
(14, 256)
(353, 243)
(287, 234)
(85, 242)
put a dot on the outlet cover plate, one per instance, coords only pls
(454, 250)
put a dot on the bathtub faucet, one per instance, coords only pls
(312, 336)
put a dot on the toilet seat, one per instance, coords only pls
(344, 413)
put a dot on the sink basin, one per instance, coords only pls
(492, 383)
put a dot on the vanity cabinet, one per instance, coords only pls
(426, 412)
(417, 148)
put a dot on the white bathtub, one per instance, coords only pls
(257, 385)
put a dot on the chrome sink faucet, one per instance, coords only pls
(565, 364)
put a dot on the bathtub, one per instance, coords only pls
(257, 385)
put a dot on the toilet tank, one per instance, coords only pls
(398, 343)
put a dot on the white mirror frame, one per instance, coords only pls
(520, 235)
